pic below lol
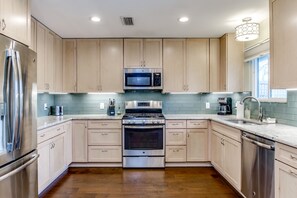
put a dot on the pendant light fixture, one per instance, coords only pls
(247, 31)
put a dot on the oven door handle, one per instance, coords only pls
(144, 127)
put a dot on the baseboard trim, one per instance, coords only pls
(188, 164)
(102, 165)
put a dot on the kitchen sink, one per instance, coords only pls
(245, 122)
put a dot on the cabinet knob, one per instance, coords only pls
(3, 24)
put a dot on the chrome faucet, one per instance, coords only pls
(260, 115)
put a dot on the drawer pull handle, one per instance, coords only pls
(104, 151)
(104, 124)
(175, 150)
(292, 173)
(42, 135)
(293, 157)
(197, 124)
(175, 124)
(58, 129)
(104, 134)
(174, 133)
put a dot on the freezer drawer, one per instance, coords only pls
(19, 179)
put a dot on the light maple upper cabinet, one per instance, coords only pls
(143, 53)
(15, 20)
(214, 65)
(197, 65)
(283, 70)
(58, 64)
(41, 39)
(69, 65)
(88, 65)
(111, 65)
(231, 63)
(186, 65)
(33, 41)
(50, 61)
(174, 63)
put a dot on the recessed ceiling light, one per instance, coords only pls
(183, 19)
(95, 19)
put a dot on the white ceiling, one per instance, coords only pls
(152, 18)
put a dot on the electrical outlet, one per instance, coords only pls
(101, 105)
(45, 106)
(207, 105)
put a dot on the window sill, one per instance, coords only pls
(276, 100)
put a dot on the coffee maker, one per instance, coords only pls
(225, 106)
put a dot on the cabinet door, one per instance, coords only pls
(57, 158)
(111, 65)
(133, 53)
(68, 143)
(283, 44)
(50, 62)
(214, 65)
(79, 141)
(110, 137)
(16, 20)
(197, 145)
(174, 65)
(88, 65)
(33, 34)
(217, 151)
(58, 68)
(43, 165)
(197, 65)
(232, 162)
(152, 53)
(69, 65)
(285, 181)
(41, 56)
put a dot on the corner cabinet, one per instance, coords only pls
(283, 70)
(143, 53)
(15, 20)
(186, 65)
(231, 64)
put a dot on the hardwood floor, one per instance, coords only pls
(141, 183)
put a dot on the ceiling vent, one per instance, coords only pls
(127, 20)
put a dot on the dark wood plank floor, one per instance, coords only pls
(141, 183)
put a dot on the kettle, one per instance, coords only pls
(57, 110)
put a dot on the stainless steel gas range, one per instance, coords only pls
(143, 135)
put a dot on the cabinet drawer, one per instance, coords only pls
(105, 124)
(176, 154)
(104, 137)
(176, 124)
(176, 136)
(105, 154)
(286, 154)
(197, 124)
(227, 131)
(49, 133)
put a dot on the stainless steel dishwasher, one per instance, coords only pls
(257, 166)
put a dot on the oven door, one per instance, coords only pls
(144, 140)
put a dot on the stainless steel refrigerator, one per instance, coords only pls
(18, 98)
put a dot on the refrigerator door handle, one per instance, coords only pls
(11, 98)
(20, 100)
(20, 168)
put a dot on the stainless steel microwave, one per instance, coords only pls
(142, 79)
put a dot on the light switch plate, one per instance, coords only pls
(101, 105)
(207, 105)
(45, 106)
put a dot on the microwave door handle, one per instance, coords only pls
(20, 100)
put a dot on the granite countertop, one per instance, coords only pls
(277, 132)
(48, 121)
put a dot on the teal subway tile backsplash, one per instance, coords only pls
(286, 113)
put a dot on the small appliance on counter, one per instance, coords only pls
(225, 106)
(57, 110)
(111, 108)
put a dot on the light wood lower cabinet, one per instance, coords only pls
(104, 141)
(51, 162)
(226, 153)
(79, 141)
(186, 141)
(68, 143)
